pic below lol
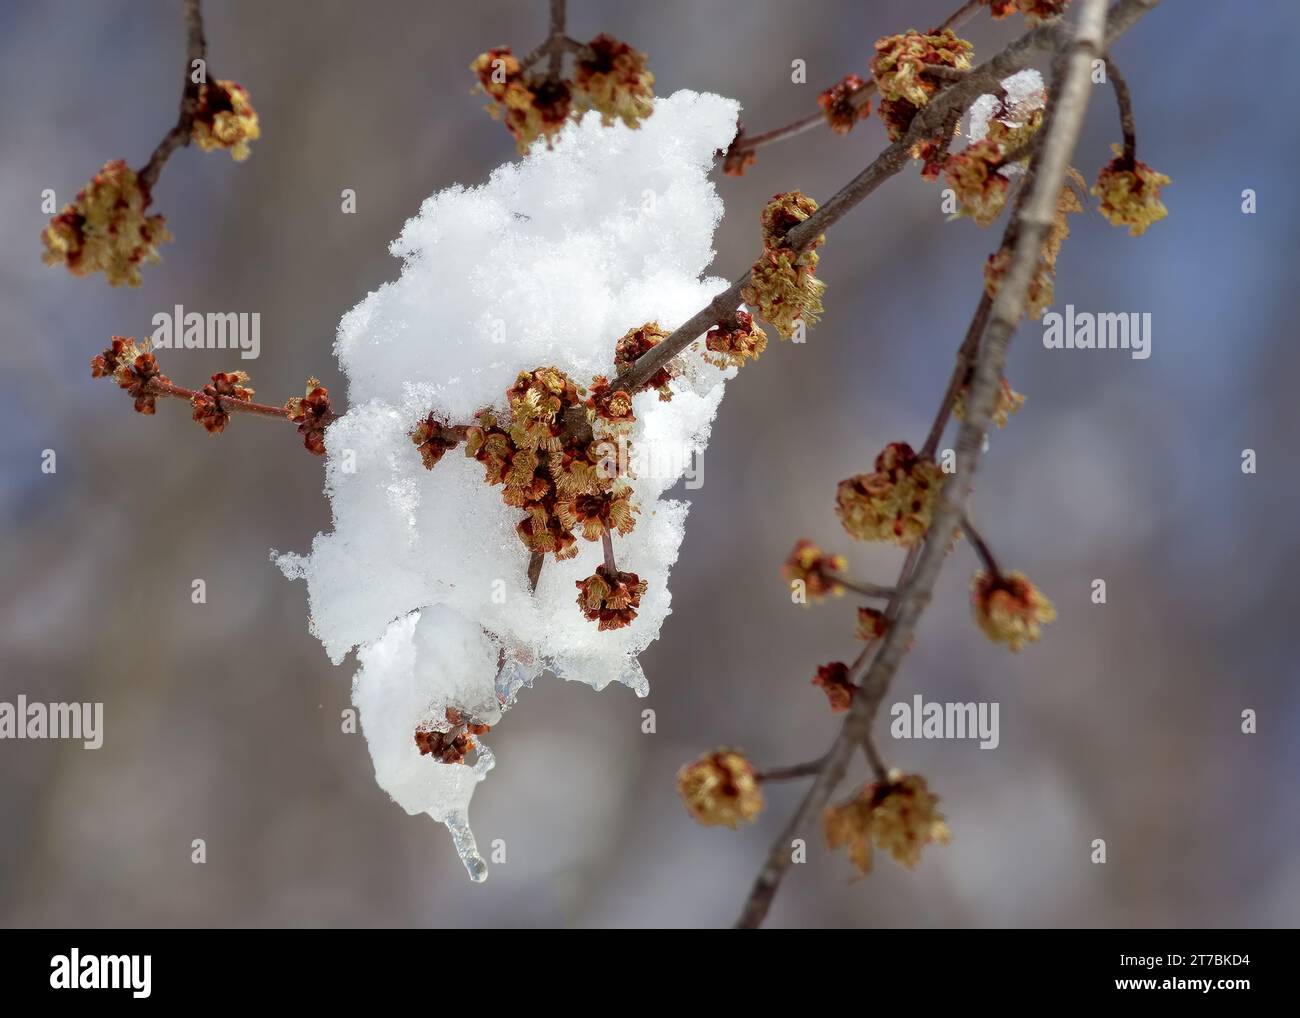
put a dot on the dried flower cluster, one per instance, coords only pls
(531, 107)
(973, 175)
(1130, 193)
(1035, 11)
(816, 570)
(721, 789)
(637, 342)
(312, 413)
(899, 71)
(569, 481)
(872, 624)
(208, 409)
(449, 746)
(783, 283)
(106, 229)
(1042, 284)
(729, 345)
(225, 119)
(445, 747)
(610, 77)
(1008, 608)
(839, 107)
(613, 80)
(610, 597)
(898, 816)
(133, 367)
(895, 503)
(834, 680)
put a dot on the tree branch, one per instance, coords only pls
(227, 403)
(1124, 99)
(1064, 119)
(926, 124)
(803, 770)
(981, 547)
(195, 49)
(742, 144)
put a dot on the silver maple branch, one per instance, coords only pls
(1076, 49)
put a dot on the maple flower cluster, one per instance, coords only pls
(451, 745)
(899, 71)
(208, 409)
(783, 284)
(1001, 129)
(1035, 11)
(312, 413)
(817, 571)
(1130, 193)
(133, 368)
(731, 344)
(897, 816)
(569, 481)
(839, 107)
(1042, 284)
(106, 228)
(836, 684)
(225, 119)
(895, 502)
(974, 176)
(610, 77)
(721, 789)
(1009, 608)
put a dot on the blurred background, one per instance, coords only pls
(223, 719)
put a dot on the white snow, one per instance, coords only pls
(547, 264)
(1025, 93)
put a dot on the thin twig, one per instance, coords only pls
(1124, 99)
(860, 587)
(195, 49)
(557, 37)
(1063, 122)
(981, 547)
(960, 16)
(227, 404)
(803, 770)
(960, 375)
(607, 542)
(878, 767)
(555, 45)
